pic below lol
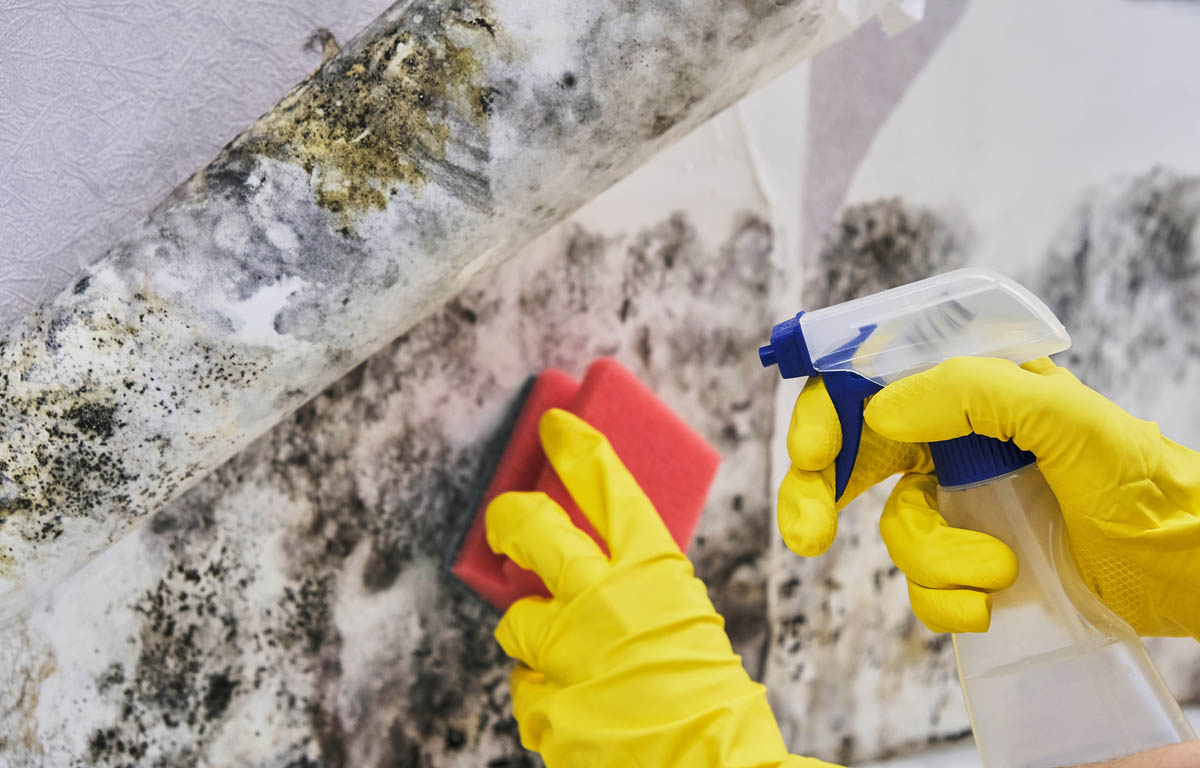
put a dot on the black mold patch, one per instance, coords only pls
(293, 645)
(1123, 276)
(93, 418)
(383, 566)
(220, 691)
(58, 445)
(879, 245)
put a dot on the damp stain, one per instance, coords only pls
(381, 116)
(371, 482)
(1123, 276)
(182, 679)
(882, 244)
(59, 458)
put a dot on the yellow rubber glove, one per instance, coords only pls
(1130, 497)
(950, 571)
(628, 665)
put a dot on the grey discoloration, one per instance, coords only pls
(439, 140)
(1124, 278)
(848, 610)
(880, 245)
(216, 642)
(293, 610)
(60, 467)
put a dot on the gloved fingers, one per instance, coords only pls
(603, 488)
(807, 515)
(987, 396)
(528, 688)
(880, 458)
(1042, 366)
(806, 510)
(951, 610)
(526, 627)
(539, 536)
(814, 436)
(932, 553)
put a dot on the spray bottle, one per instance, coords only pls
(1059, 679)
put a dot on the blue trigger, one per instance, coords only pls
(848, 390)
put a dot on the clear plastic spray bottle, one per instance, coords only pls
(1059, 679)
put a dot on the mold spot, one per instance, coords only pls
(220, 691)
(382, 568)
(487, 99)
(662, 124)
(482, 23)
(93, 418)
(401, 752)
(382, 115)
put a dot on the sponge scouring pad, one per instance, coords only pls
(497, 579)
(673, 464)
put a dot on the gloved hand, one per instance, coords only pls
(628, 664)
(950, 571)
(1130, 497)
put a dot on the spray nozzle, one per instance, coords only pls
(788, 350)
(861, 346)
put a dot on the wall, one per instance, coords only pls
(291, 610)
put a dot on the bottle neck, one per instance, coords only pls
(974, 459)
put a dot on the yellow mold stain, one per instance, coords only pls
(367, 121)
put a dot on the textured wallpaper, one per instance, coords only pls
(106, 105)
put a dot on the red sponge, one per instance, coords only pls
(497, 579)
(674, 465)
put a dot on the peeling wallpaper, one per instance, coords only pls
(437, 141)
